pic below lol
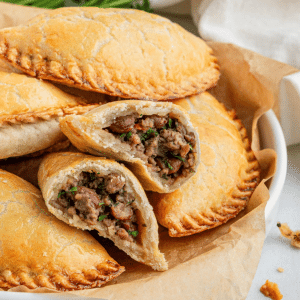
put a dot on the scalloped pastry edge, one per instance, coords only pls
(240, 196)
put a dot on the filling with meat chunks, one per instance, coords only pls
(97, 198)
(161, 141)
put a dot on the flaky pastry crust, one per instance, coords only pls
(57, 168)
(226, 178)
(86, 133)
(126, 53)
(38, 250)
(29, 112)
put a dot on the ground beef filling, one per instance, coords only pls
(163, 142)
(104, 199)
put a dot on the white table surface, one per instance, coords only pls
(277, 251)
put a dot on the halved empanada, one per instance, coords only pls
(97, 193)
(225, 180)
(120, 52)
(29, 112)
(38, 250)
(155, 139)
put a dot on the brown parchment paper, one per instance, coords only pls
(219, 263)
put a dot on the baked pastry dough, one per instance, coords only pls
(226, 178)
(155, 139)
(120, 52)
(97, 193)
(38, 250)
(29, 111)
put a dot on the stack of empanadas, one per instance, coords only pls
(191, 156)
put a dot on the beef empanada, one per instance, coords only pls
(97, 193)
(38, 250)
(225, 180)
(120, 52)
(155, 139)
(29, 112)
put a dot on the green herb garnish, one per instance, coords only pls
(133, 233)
(191, 147)
(168, 165)
(129, 202)
(101, 186)
(61, 193)
(141, 115)
(101, 203)
(170, 123)
(116, 204)
(146, 135)
(73, 189)
(92, 176)
(178, 157)
(165, 177)
(123, 134)
(101, 218)
(165, 127)
(129, 134)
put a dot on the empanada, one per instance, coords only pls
(155, 139)
(225, 180)
(38, 250)
(120, 52)
(97, 193)
(29, 111)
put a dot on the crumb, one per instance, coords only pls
(294, 236)
(281, 270)
(271, 290)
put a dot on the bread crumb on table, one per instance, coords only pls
(271, 290)
(281, 270)
(294, 236)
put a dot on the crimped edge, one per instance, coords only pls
(62, 280)
(54, 71)
(239, 198)
(33, 117)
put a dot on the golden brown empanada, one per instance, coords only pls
(155, 139)
(38, 250)
(97, 193)
(121, 52)
(29, 111)
(225, 180)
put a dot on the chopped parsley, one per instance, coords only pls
(101, 218)
(179, 157)
(141, 115)
(129, 202)
(73, 189)
(101, 203)
(191, 147)
(165, 127)
(101, 186)
(123, 134)
(116, 203)
(133, 233)
(168, 165)
(60, 193)
(129, 134)
(165, 177)
(146, 135)
(92, 176)
(170, 123)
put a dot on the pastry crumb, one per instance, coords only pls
(271, 290)
(294, 236)
(281, 270)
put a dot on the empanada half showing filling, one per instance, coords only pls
(155, 140)
(38, 250)
(93, 193)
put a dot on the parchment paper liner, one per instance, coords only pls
(219, 263)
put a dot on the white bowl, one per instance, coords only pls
(271, 136)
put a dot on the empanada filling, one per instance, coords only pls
(96, 198)
(161, 141)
